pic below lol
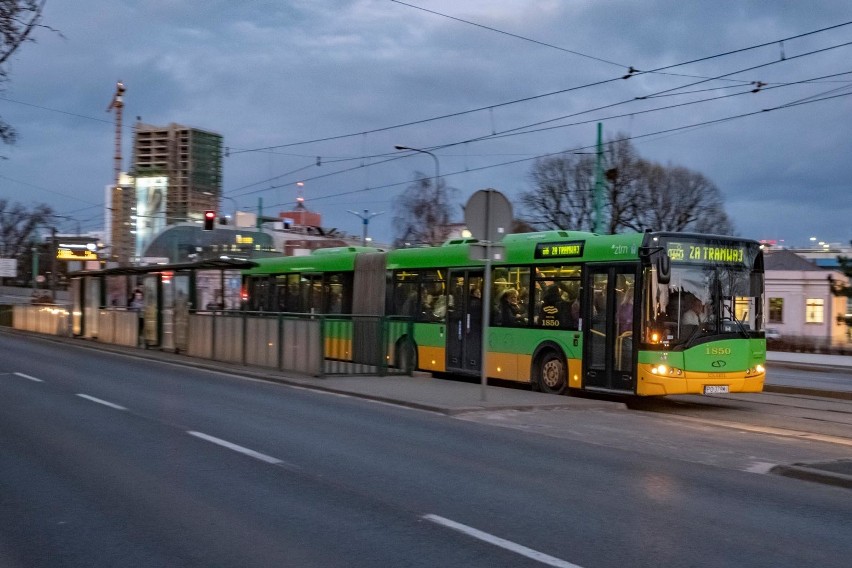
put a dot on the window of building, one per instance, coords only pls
(814, 310)
(776, 310)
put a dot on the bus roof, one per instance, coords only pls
(545, 247)
(526, 248)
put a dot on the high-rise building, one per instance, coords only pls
(191, 161)
(175, 176)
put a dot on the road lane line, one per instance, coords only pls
(502, 543)
(235, 447)
(99, 401)
(28, 377)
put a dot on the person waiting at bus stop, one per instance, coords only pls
(137, 304)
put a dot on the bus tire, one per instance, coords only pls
(551, 372)
(406, 355)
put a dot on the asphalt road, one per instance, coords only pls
(110, 460)
(823, 378)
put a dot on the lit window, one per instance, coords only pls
(814, 310)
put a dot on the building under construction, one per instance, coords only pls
(191, 161)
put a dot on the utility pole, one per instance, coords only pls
(599, 181)
(365, 217)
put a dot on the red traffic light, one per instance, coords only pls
(209, 219)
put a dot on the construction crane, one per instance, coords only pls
(119, 239)
(117, 104)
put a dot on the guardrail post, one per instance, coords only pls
(321, 350)
(245, 334)
(383, 352)
(280, 342)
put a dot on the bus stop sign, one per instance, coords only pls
(488, 215)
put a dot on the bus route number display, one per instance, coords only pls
(689, 252)
(564, 249)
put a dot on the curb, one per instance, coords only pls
(782, 389)
(811, 473)
(814, 367)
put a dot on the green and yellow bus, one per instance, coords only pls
(646, 314)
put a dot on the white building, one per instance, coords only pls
(800, 300)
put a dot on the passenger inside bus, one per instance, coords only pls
(556, 311)
(509, 309)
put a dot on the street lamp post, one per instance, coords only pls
(434, 157)
(234, 201)
(365, 218)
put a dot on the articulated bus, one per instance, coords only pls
(642, 314)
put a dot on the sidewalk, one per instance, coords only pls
(821, 359)
(828, 376)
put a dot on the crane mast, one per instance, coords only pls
(117, 105)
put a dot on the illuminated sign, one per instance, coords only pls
(150, 214)
(75, 254)
(244, 240)
(689, 252)
(565, 249)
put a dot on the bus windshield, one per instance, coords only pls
(703, 300)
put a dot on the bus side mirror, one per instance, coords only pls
(664, 269)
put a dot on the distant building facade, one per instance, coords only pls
(119, 219)
(802, 301)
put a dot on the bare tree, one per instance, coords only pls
(622, 186)
(422, 212)
(640, 194)
(18, 19)
(17, 227)
(561, 197)
(679, 199)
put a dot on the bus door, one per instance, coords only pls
(609, 328)
(464, 321)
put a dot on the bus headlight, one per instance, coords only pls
(667, 371)
(756, 370)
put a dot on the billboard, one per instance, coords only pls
(8, 267)
(150, 210)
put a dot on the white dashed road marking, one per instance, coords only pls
(23, 376)
(502, 543)
(99, 401)
(235, 447)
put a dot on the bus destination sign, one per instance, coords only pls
(696, 252)
(564, 249)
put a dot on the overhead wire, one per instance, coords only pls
(549, 94)
(525, 129)
(587, 147)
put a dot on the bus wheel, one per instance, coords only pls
(406, 355)
(551, 373)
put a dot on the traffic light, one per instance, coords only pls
(209, 219)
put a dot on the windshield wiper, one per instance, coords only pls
(734, 317)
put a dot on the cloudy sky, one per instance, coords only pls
(287, 81)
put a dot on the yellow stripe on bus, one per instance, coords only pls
(692, 382)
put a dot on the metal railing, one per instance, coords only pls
(318, 345)
(50, 319)
(311, 344)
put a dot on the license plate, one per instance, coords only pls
(715, 389)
